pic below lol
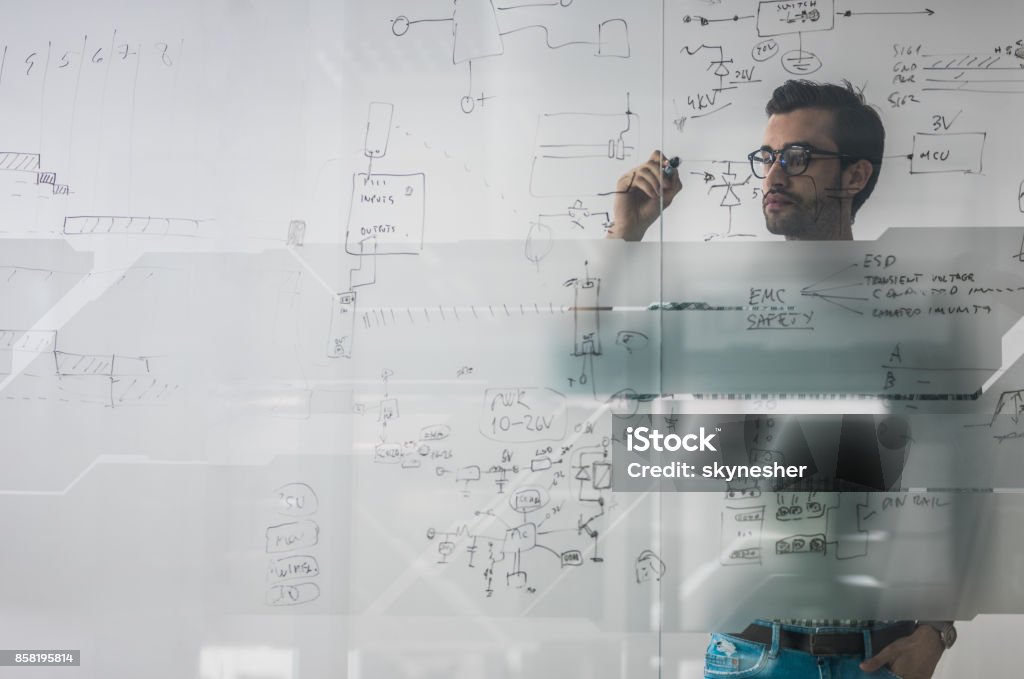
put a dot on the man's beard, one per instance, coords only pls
(817, 220)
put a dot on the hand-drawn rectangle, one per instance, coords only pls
(339, 339)
(82, 364)
(801, 544)
(378, 129)
(586, 323)
(286, 537)
(389, 207)
(952, 152)
(613, 38)
(781, 17)
(741, 535)
(24, 162)
(142, 226)
(296, 232)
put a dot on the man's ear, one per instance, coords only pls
(856, 176)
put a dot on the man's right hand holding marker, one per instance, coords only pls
(640, 196)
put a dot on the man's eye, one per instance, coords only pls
(794, 157)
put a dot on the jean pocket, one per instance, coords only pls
(732, 657)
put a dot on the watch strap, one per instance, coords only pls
(945, 628)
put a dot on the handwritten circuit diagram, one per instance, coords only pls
(470, 385)
(480, 29)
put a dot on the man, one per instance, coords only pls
(819, 161)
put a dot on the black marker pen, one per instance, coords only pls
(670, 167)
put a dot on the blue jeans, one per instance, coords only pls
(730, 657)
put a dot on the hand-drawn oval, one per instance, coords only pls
(894, 432)
(528, 499)
(293, 567)
(292, 595)
(296, 499)
(539, 242)
(400, 25)
(435, 432)
(765, 50)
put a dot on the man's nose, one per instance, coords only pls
(775, 176)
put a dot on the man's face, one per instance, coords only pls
(805, 206)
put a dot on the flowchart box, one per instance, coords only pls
(779, 17)
(389, 208)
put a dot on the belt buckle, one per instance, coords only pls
(829, 648)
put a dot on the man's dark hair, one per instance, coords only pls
(857, 128)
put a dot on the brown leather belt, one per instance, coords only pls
(827, 643)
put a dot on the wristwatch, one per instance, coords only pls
(945, 628)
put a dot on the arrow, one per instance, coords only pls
(848, 13)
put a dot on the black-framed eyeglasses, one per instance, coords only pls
(794, 159)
